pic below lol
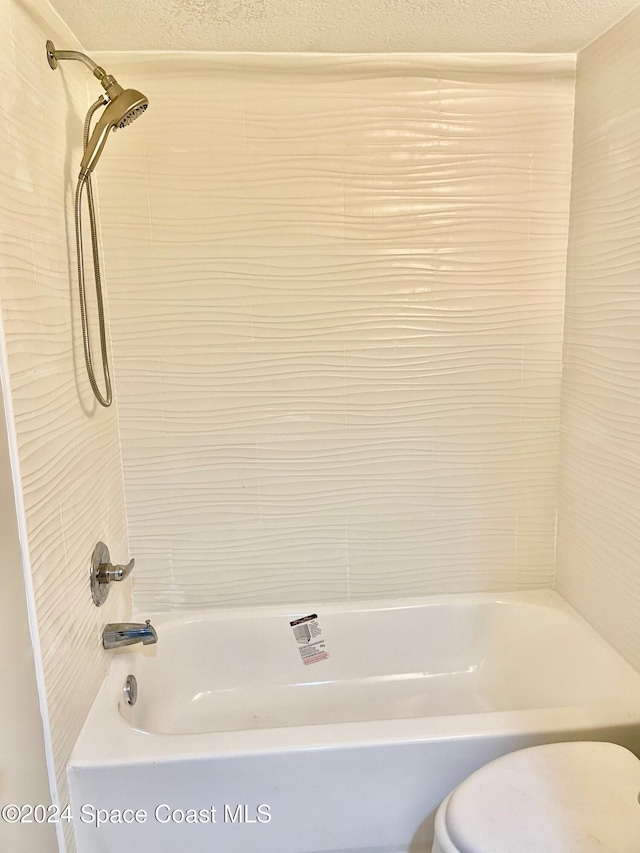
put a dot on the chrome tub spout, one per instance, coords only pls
(118, 634)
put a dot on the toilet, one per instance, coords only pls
(558, 798)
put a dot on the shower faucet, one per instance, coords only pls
(103, 573)
(119, 634)
(121, 107)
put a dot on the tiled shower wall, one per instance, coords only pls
(67, 450)
(598, 566)
(336, 289)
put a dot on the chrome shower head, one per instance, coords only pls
(123, 106)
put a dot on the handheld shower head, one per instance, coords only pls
(125, 107)
(121, 107)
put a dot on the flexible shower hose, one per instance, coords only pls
(85, 181)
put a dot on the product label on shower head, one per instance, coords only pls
(308, 636)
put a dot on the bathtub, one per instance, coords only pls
(339, 733)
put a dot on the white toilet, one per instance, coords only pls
(558, 798)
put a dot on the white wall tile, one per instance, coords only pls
(336, 286)
(68, 449)
(599, 508)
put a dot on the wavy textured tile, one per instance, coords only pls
(68, 451)
(337, 324)
(599, 510)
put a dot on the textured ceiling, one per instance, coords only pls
(341, 25)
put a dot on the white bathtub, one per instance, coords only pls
(353, 752)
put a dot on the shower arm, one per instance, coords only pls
(54, 56)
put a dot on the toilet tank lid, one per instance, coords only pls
(558, 798)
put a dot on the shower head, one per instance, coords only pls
(123, 106)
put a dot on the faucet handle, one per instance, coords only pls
(103, 573)
(108, 572)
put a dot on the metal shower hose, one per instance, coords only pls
(85, 180)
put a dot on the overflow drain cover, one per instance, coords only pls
(131, 690)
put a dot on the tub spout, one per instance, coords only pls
(120, 634)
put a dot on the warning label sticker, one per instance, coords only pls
(308, 636)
